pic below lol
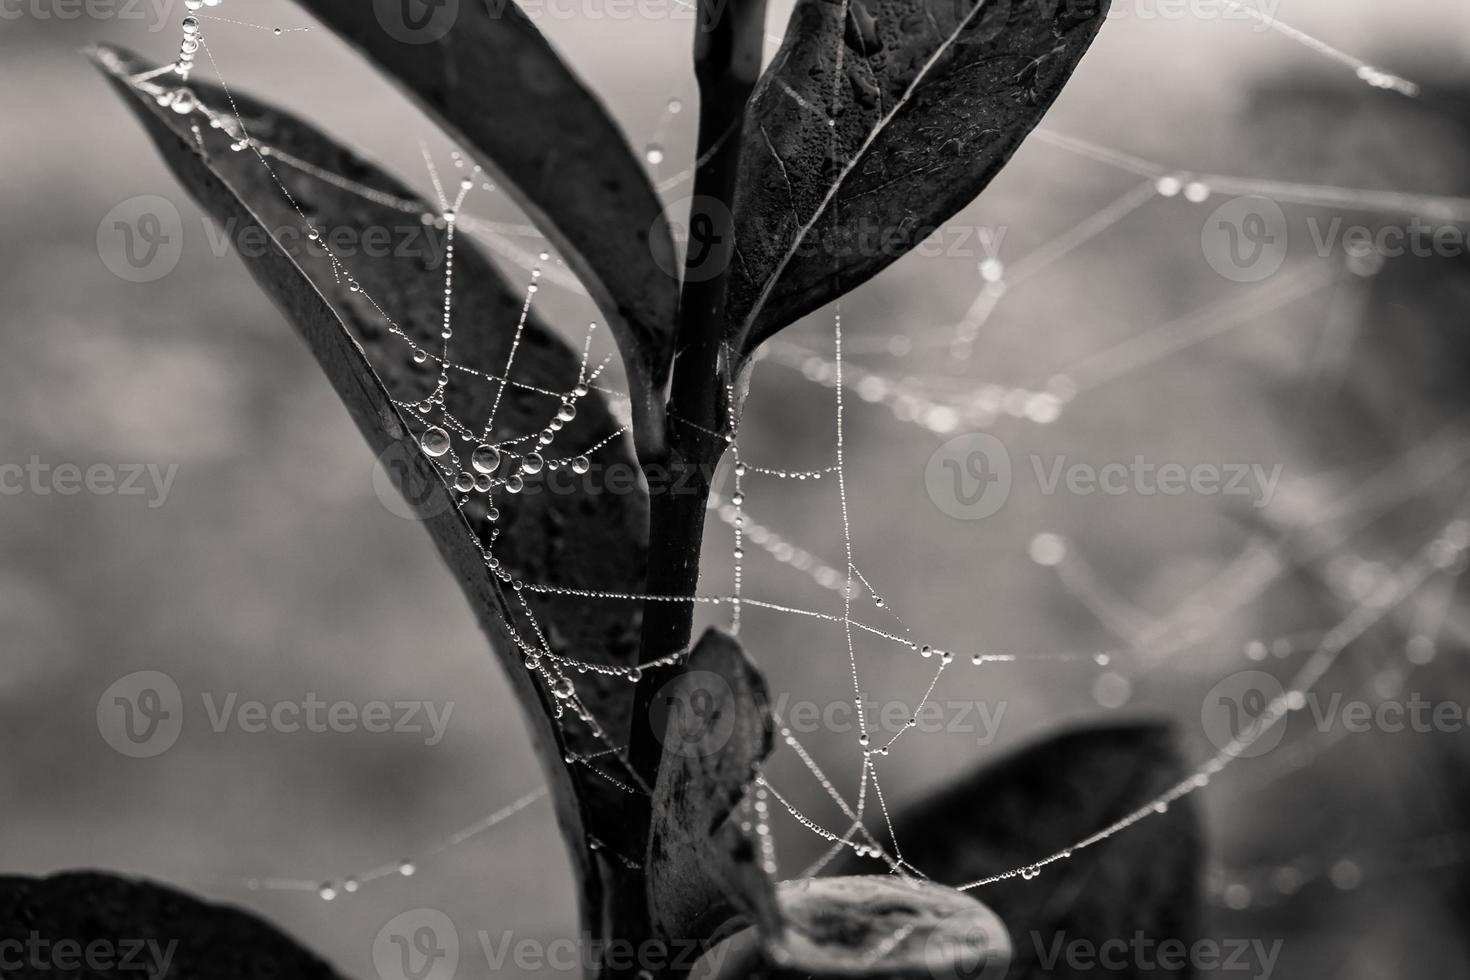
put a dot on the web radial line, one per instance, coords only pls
(1368, 73)
(1033, 262)
(857, 692)
(851, 164)
(1359, 620)
(1170, 338)
(1449, 209)
(1117, 159)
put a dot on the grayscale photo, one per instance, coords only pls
(735, 490)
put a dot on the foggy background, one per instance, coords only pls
(272, 569)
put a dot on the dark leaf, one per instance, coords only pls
(490, 78)
(877, 121)
(578, 539)
(704, 865)
(873, 927)
(1046, 797)
(137, 929)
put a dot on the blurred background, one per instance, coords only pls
(270, 568)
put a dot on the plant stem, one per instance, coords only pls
(727, 54)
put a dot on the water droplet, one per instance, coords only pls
(183, 101)
(1047, 549)
(581, 464)
(407, 869)
(327, 892)
(737, 498)
(635, 675)
(514, 483)
(420, 356)
(1168, 186)
(483, 483)
(1029, 873)
(435, 441)
(485, 458)
(563, 688)
(654, 153)
(350, 885)
(464, 483)
(675, 106)
(532, 463)
(567, 412)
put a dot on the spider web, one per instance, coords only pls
(479, 467)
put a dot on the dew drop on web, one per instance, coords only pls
(435, 441)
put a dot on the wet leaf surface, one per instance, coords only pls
(876, 122)
(872, 927)
(584, 535)
(490, 78)
(88, 924)
(1046, 797)
(704, 864)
